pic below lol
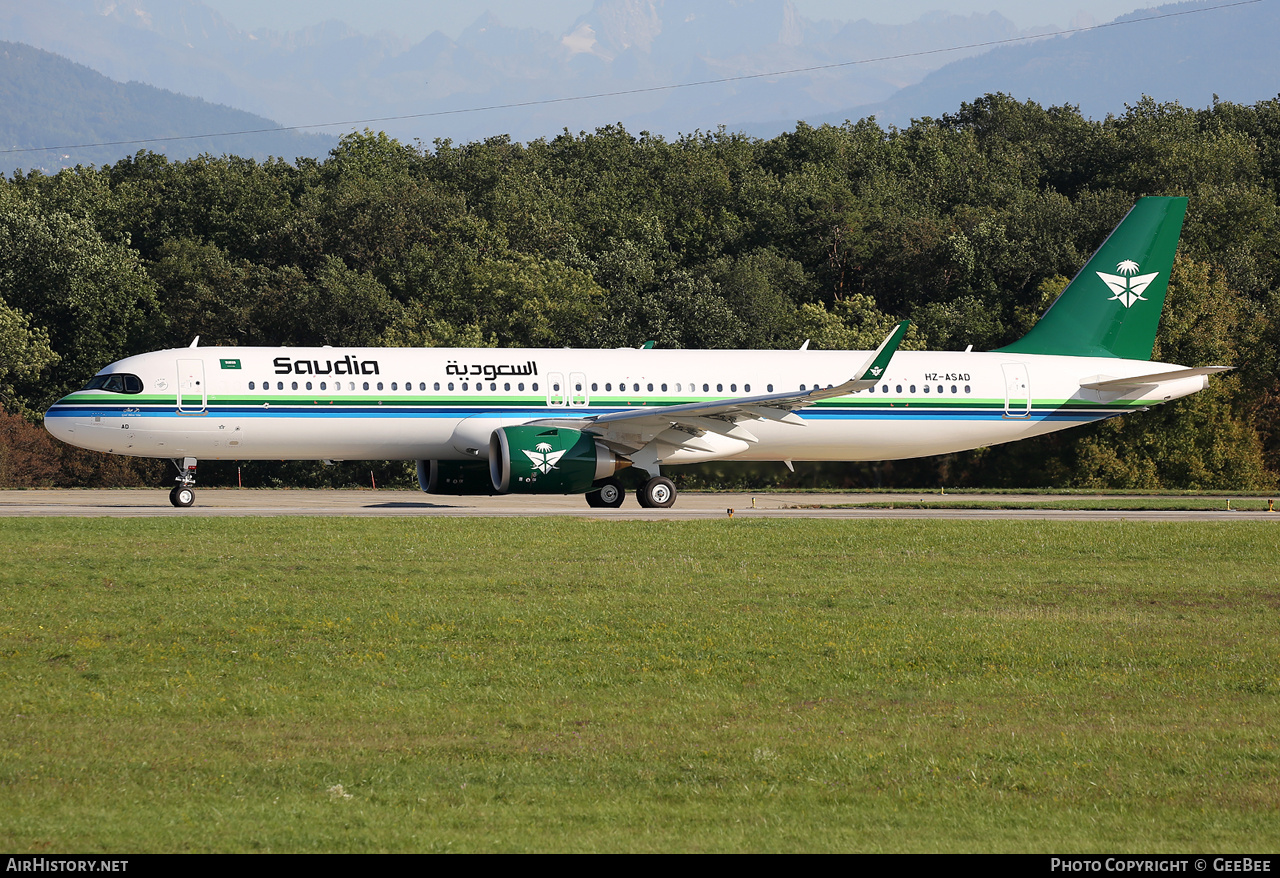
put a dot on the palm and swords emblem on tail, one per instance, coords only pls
(1125, 286)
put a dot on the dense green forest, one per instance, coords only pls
(968, 225)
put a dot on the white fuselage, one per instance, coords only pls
(441, 403)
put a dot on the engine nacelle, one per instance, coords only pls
(548, 460)
(459, 477)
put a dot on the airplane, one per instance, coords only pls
(566, 421)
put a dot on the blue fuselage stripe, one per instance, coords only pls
(849, 413)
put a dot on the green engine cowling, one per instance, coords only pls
(548, 460)
(457, 477)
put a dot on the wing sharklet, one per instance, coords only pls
(879, 359)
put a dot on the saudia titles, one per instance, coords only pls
(345, 366)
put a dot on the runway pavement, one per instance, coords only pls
(225, 502)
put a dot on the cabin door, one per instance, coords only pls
(193, 395)
(1017, 391)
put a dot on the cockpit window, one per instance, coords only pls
(119, 382)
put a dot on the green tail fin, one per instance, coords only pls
(1112, 307)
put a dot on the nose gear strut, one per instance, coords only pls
(184, 494)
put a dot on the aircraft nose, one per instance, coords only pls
(58, 422)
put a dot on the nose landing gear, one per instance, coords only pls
(183, 494)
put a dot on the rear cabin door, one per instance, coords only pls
(1017, 391)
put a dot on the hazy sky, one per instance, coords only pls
(417, 18)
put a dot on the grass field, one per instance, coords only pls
(575, 685)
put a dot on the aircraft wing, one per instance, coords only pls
(684, 426)
(1117, 385)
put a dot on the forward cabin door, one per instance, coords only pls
(193, 395)
(1017, 391)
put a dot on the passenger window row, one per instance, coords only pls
(927, 388)
(132, 384)
(379, 385)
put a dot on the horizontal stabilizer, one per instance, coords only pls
(1118, 384)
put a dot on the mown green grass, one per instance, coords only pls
(573, 685)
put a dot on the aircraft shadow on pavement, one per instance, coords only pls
(403, 505)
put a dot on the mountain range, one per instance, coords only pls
(1229, 53)
(633, 51)
(46, 100)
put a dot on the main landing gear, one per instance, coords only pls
(657, 493)
(184, 494)
(609, 495)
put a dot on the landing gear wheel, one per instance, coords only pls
(657, 493)
(185, 493)
(611, 493)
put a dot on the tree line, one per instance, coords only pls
(968, 225)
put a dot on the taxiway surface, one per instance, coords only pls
(224, 502)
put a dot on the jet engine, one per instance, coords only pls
(548, 460)
(458, 477)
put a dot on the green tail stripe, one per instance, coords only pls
(1112, 307)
